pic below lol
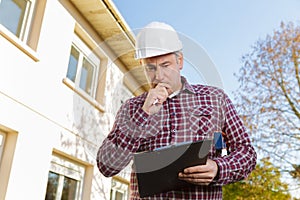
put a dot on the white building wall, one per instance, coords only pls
(47, 115)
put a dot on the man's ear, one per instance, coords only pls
(180, 60)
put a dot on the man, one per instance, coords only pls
(171, 112)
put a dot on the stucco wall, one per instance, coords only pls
(47, 115)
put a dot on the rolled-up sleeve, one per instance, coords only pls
(128, 130)
(241, 159)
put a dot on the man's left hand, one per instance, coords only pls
(200, 174)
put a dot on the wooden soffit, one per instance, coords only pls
(106, 20)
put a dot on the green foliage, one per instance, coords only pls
(263, 184)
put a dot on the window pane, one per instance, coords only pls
(69, 189)
(119, 195)
(119, 190)
(2, 141)
(86, 77)
(12, 13)
(73, 63)
(52, 186)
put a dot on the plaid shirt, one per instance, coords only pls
(194, 114)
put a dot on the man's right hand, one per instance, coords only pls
(155, 98)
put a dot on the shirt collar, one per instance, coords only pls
(185, 87)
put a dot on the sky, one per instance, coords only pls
(225, 29)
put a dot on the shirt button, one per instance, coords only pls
(174, 130)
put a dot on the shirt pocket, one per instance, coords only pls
(201, 121)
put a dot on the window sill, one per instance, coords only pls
(18, 43)
(86, 97)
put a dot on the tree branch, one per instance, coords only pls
(296, 65)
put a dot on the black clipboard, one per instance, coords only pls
(157, 171)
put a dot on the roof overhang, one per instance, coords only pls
(106, 20)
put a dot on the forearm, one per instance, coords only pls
(113, 156)
(236, 166)
(116, 150)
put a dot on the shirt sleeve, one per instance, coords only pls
(128, 130)
(242, 156)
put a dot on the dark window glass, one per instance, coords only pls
(52, 185)
(69, 189)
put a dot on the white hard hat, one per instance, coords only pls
(156, 39)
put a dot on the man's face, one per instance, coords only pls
(165, 69)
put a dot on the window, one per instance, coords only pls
(65, 180)
(86, 69)
(83, 68)
(61, 187)
(16, 15)
(2, 142)
(21, 22)
(119, 189)
(8, 140)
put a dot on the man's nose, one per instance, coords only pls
(158, 73)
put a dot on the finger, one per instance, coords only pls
(162, 90)
(196, 175)
(196, 169)
(157, 93)
(196, 179)
(166, 87)
(159, 96)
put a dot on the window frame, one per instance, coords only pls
(29, 43)
(26, 21)
(65, 167)
(2, 144)
(6, 162)
(92, 43)
(85, 53)
(119, 185)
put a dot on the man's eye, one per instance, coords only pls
(151, 68)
